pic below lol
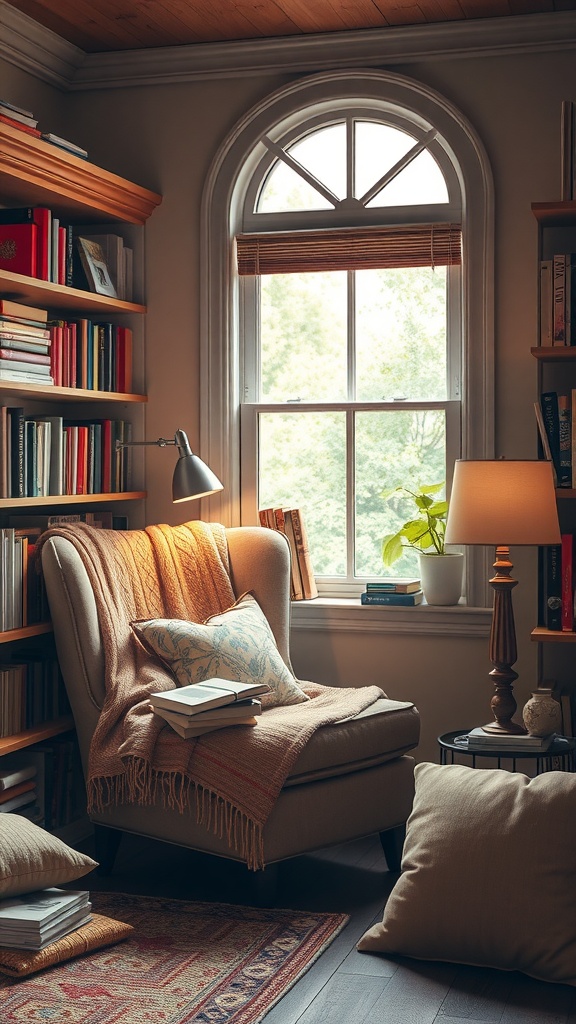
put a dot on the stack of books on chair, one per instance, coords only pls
(203, 707)
(37, 919)
(403, 591)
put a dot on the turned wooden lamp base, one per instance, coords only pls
(503, 652)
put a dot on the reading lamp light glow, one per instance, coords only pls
(192, 477)
(499, 503)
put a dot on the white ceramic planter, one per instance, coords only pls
(441, 577)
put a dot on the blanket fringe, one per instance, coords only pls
(143, 786)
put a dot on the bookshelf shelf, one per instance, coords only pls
(37, 735)
(26, 632)
(555, 214)
(33, 391)
(541, 635)
(82, 195)
(558, 354)
(58, 500)
(44, 293)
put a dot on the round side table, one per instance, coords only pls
(558, 757)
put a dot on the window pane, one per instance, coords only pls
(401, 334)
(303, 465)
(284, 190)
(303, 337)
(391, 449)
(378, 148)
(323, 153)
(421, 181)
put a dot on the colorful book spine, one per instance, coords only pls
(567, 567)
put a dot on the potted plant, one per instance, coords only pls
(440, 570)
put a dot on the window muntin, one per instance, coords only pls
(387, 337)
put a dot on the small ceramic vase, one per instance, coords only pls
(542, 714)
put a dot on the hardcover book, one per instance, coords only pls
(185, 727)
(18, 249)
(398, 585)
(213, 693)
(392, 599)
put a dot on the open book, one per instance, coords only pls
(213, 693)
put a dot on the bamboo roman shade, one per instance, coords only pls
(414, 245)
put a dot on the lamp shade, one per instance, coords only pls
(501, 502)
(192, 477)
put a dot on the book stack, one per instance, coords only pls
(204, 707)
(17, 788)
(18, 117)
(24, 343)
(399, 591)
(36, 919)
(290, 521)
(480, 740)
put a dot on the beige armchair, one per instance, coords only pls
(353, 779)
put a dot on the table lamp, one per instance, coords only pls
(501, 502)
(192, 477)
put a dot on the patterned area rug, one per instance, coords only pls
(184, 963)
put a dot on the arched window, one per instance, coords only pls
(340, 345)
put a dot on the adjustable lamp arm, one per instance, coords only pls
(192, 477)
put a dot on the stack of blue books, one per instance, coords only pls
(401, 590)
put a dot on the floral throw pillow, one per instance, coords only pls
(236, 644)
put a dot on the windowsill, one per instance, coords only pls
(426, 620)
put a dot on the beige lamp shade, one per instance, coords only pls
(501, 502)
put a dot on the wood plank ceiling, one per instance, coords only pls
(98, 26)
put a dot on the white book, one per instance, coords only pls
(36, 910)
(185, 727)
(212, 693)
(523, 741)
(26, 940)
(241, 709)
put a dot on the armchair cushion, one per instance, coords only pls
(236, 644)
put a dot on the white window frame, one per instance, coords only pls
(232, 170)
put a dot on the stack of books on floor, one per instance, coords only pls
(403, 591)
(37, 919)
(203, 707)
(480, 740)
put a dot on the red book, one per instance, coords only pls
(56, 355)
(124, 360)
(18, 248)
(567, 564)
(24, 357)
(71, 328)
(18, 124)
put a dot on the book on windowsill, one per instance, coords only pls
(522, 741)
(371, 598)
(395, 585)
(212, 693)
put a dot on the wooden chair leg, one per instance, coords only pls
(106, 844)
(392, 843)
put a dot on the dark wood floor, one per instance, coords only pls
(344, 986)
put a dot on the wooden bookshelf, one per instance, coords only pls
(29, 737)
(25, 632)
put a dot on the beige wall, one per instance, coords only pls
(165, 137)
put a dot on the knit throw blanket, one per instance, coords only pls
(233, 776)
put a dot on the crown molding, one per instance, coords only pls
(37, 50)
(42, 53)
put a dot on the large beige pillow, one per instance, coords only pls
(236, 644)
(489, 873)
(31, 858)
